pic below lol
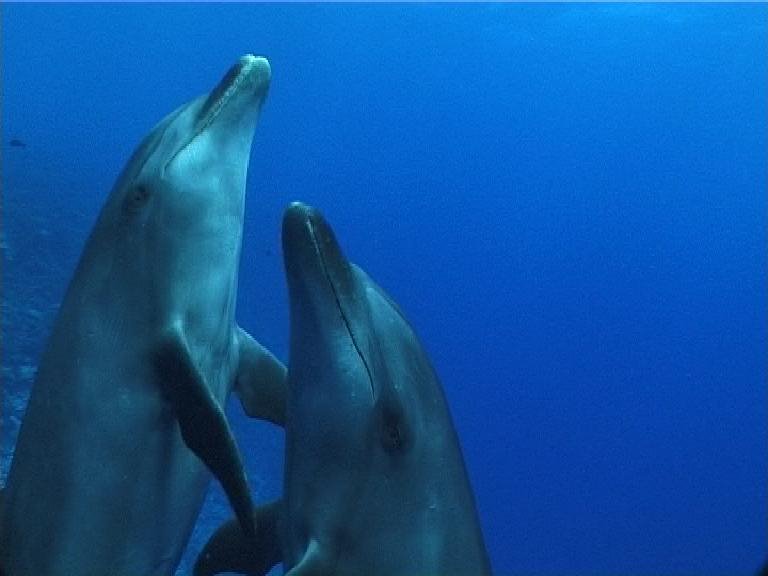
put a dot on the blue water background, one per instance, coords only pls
(568, 201)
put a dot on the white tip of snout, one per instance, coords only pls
(255, 67)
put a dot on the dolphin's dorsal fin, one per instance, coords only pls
(260, 382)
(202, 422)
(229, 550)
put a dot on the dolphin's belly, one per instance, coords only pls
(101, 482)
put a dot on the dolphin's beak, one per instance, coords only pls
(310, 248)
(320, 278)
(323, 290)
(240, 93)
(228, 115)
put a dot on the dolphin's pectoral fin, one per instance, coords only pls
(204, 427)
(313, 563)
(260, 383)
(229, 550)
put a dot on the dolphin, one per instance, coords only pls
(375, 482)
(126, 412)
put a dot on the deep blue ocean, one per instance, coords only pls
(568, 202)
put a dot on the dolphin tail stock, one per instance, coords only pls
(204, 427)
(229, 550)
(261, 381)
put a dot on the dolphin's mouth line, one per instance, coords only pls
(214, 111)
(328, 278)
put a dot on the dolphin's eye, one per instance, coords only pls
(394, 437)
(393, 440)
(136, 198)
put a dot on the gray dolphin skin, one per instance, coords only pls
(375, 482)
(109, 473)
